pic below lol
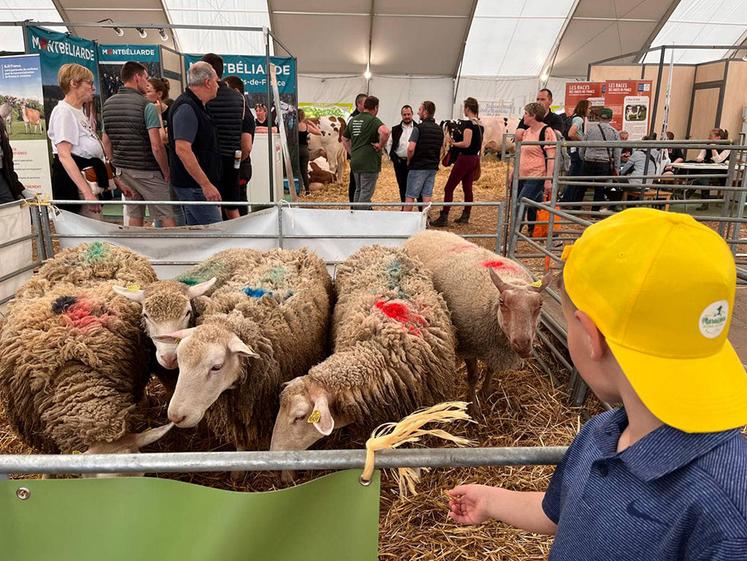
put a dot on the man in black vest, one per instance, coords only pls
(193, 146)
(423, 155)
(132, 142)
(235, 129)
(398, 150)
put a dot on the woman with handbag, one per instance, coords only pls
(467, 165)
(75, 145)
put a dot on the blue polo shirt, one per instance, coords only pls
(671, 496)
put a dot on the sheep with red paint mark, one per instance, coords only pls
(73, 359)
(494, 302)
(394, 351)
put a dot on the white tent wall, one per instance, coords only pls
(318, 88)
(515, 91)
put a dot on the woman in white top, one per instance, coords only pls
(712, 156)
(75, 145)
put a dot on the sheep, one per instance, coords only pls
(263, 327)
(496, 327)
(167, 305)
(394, 351)
(72, 360)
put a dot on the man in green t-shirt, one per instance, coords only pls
(364, 137)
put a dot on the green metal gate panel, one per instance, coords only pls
(332, 518)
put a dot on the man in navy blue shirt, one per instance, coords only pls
(647, 297)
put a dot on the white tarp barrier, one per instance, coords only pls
(181, 252)
(15, 223)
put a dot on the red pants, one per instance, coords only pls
(464, 171)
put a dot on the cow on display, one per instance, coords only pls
(329, 144)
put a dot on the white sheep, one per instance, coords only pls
(497, 327)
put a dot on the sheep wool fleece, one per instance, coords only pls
(460, 272)
(280, 307)
(73, 365)
(393, 340)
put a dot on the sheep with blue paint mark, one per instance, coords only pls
(394, 351)
(261, 328)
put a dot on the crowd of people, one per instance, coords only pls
(194, 148)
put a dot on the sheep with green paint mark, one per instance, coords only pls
(73, 359)
(494, 302)
(394, 351)
(167, 305)
(262, 327)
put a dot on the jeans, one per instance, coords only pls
(573, 193)
(420, 183)
(197, 214)
(533, 189)
(365, 185)
(597, 168)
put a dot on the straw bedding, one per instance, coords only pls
(525, 410)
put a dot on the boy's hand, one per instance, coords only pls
(469, 504)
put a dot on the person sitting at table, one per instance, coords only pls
(676, 155)
(712, 156)
(642, 163)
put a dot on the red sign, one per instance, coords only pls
(630, 101)
(578, 91)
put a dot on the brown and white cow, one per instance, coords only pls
(31, 117)
(329, 144)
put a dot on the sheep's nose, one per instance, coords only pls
(177, 419)
(168, 361)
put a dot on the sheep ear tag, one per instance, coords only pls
(321, 418)
(314, 418)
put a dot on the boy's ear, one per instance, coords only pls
(597, 344)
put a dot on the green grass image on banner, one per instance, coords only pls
(332, 518)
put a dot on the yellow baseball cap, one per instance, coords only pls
(660, 287)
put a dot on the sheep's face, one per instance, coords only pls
(304, 416)
(518, 312)
(211, 361)
(129, 444)
(166, 308)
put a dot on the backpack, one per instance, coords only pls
(567, 121)
(562, 157)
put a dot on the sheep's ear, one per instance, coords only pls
(498, 281)
(321, 417)
(200, 289)
(544, 283)
(236, 345)
(200, 305)
(150, 436)
(134, 295)
(175, 336)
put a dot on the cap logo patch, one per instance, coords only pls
(713, 319)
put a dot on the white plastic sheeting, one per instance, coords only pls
(346, 228)
(15, 223)
(702, 22)
(514, 91)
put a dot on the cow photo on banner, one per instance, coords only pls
(56, 49)
(113, 57)
(252, 71)
(22, 112)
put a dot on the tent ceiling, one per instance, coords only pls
(332, 36)
(601, 29)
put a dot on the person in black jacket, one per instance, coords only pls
(11, 189)
(398, 150)
(423, 155)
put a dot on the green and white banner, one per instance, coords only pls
(333, 518)
(56, 49)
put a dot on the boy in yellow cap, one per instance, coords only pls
(647, 297)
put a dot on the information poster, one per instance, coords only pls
(22, 112)
(113, 57)
(578, 91)
(630, 101)
(56, 49)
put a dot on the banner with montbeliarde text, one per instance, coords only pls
(22, 112)
(113, 57)
(56, 49)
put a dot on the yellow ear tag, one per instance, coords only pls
(536, 284)
(566, 252)
(133, 287)
(315, 417)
